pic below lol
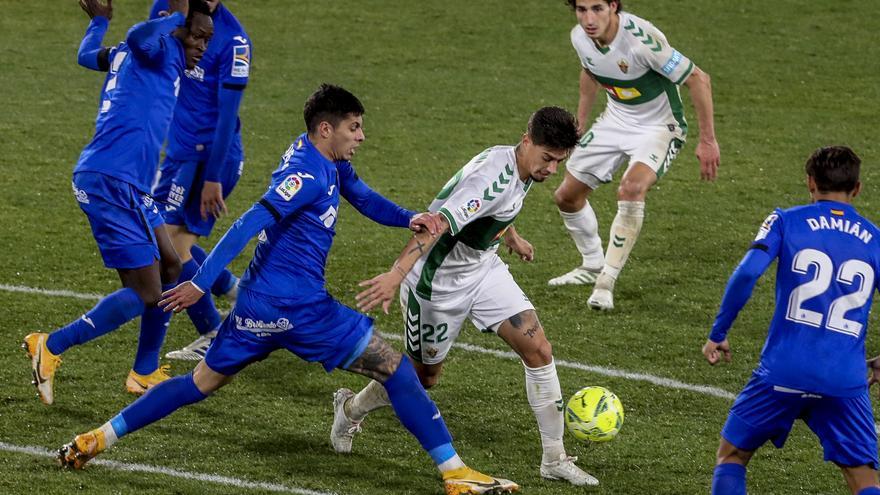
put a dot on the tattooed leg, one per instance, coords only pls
(378, 361)
(525, 335)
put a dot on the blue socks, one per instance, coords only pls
(109, 314)
(224, 281)
(870, 491)
(729, 479)
(203, 314)
(418, 413)
(158, 402)
(154, 325)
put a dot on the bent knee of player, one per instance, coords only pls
(170, 270)
(541, 354)
(428, 375)
(729, 453)
(568, 202)
(208, 380)
(632, 190)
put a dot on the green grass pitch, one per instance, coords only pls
(441, 81)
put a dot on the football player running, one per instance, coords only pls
(458, 275)
(643, 126)
(283, 308)
(813, 364)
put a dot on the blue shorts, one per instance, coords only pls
(122, 218)
(844, 425)
(179, 189)
(315, 329)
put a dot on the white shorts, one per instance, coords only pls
(432, 326)
(608, 144)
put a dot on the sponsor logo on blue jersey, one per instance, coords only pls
(672, 63)
(241, 61)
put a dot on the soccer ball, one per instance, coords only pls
(594, 414)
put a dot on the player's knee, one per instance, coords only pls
(540, 355)
(632, 190)
(728, 453)
(150, 295)
(170, 270)
(567, 202)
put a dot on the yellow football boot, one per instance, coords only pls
(82, 449)
(44, 364)
(139, 384)
(466, 481)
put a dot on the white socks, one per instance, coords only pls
(545, 397)
(370, 398)
(624, 233)
(584, 229)
(109, 434)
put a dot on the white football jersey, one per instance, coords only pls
(639, 70)
(479, 202)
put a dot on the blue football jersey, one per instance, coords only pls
(304, 197)
(226, 62)
(828, 261)
(137, 102)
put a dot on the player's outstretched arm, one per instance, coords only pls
(382, 288)
(232, 243)
(516, 244)
(700, 86)
(91, 54)
(736, 294)
(369, 203)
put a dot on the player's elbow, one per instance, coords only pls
(87, 59)
(699, 78)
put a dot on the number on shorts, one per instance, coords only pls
(428, 335)
(585, 139)
(847, 274)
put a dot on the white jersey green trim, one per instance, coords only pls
(479, 203)
(639, 71)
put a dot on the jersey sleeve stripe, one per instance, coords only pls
(274, 211)
(758, 245)
(453, 227)
(686, 74)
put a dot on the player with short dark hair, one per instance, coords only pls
(283, 302)
(813, 363)
(111, 180)
(618, 4)
(204, 160)
(460, 276)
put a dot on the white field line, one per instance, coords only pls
(145, 468)
(599, 370)
(47, 292)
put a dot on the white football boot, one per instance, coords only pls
(565, 469)
(196, 350)
(579, 276)
(344, 429)
(601, 300)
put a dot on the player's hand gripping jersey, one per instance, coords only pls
(829, 258)
(640, 72)
(479, 203)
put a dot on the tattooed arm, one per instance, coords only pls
(382, 288)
